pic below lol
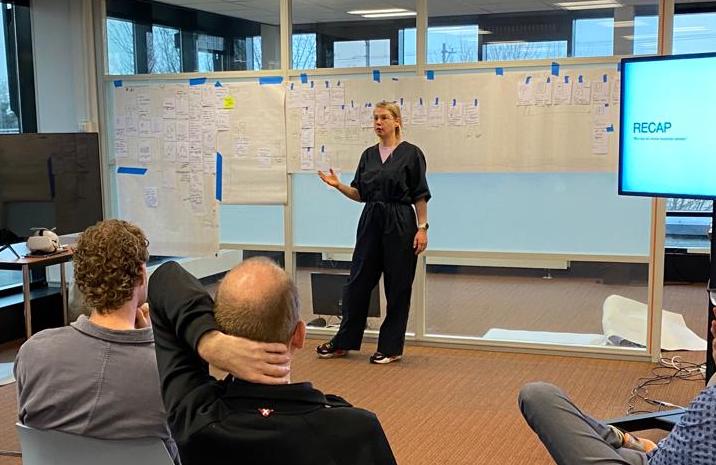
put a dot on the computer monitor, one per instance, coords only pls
(49, 180)
(667, 147)
(327, 294)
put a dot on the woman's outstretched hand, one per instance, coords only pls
(329, 178)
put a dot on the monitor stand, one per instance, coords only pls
(9, 246)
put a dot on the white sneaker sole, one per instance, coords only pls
(386, 360)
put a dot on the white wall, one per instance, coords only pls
(65, 77)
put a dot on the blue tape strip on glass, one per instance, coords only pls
(219, 177)
(131, 170)
(197, 81)
(376, 75)
(270, 80)
(118, 83)
(430, 74)
(499, 71)
(555, 68)
(304, 78)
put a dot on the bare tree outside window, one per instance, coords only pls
(120, 46)
(163, 55)
(303, 48)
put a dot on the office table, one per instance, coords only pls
(9, 262)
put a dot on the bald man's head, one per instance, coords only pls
(257, 300)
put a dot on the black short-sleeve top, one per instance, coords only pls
(401, 179)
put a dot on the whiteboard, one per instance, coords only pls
(513, 122)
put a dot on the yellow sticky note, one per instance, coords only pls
(229, 102)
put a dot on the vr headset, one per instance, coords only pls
(43, 240)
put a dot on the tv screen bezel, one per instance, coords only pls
(622, 133)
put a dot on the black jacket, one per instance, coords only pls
(232, 421)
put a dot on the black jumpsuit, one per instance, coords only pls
(384, 243)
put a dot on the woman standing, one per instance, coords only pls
(390, 179)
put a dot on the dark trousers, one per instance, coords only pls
(384, 244)
(570, 436)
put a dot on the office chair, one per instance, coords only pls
(50, 447)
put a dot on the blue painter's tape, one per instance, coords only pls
(118, 83)
(217, 84)
(604, 78)
(131, 170)
(304, 78)
(219, 177)
(266, 80)
(555, 68)
(376, 75)
(430, 74)
(500, 71)
(610, 128)
(197, 81)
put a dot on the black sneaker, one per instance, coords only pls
(328, 350)
(382, 359)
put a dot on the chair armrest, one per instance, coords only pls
(664, 420)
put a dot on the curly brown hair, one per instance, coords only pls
(108, 263)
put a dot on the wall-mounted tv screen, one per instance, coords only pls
(667, 146)
(48, 180)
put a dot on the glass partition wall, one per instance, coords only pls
(521, 260)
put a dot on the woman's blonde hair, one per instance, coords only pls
(394, 110)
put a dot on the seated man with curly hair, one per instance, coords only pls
(98, 377)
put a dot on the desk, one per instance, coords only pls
(9, 262)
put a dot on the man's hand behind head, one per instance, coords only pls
(256, 362)
(142, 319)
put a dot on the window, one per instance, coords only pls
(694, 33)
(519, 50)
(17, 81)
(688, 220)
(303, 48)
(593, 37)
(120, 46)
(326, 35)
(152, 37)
(361, 53)
(453, 44)
(163, 50)
(209, 52)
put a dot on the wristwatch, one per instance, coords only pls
(424, 226)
